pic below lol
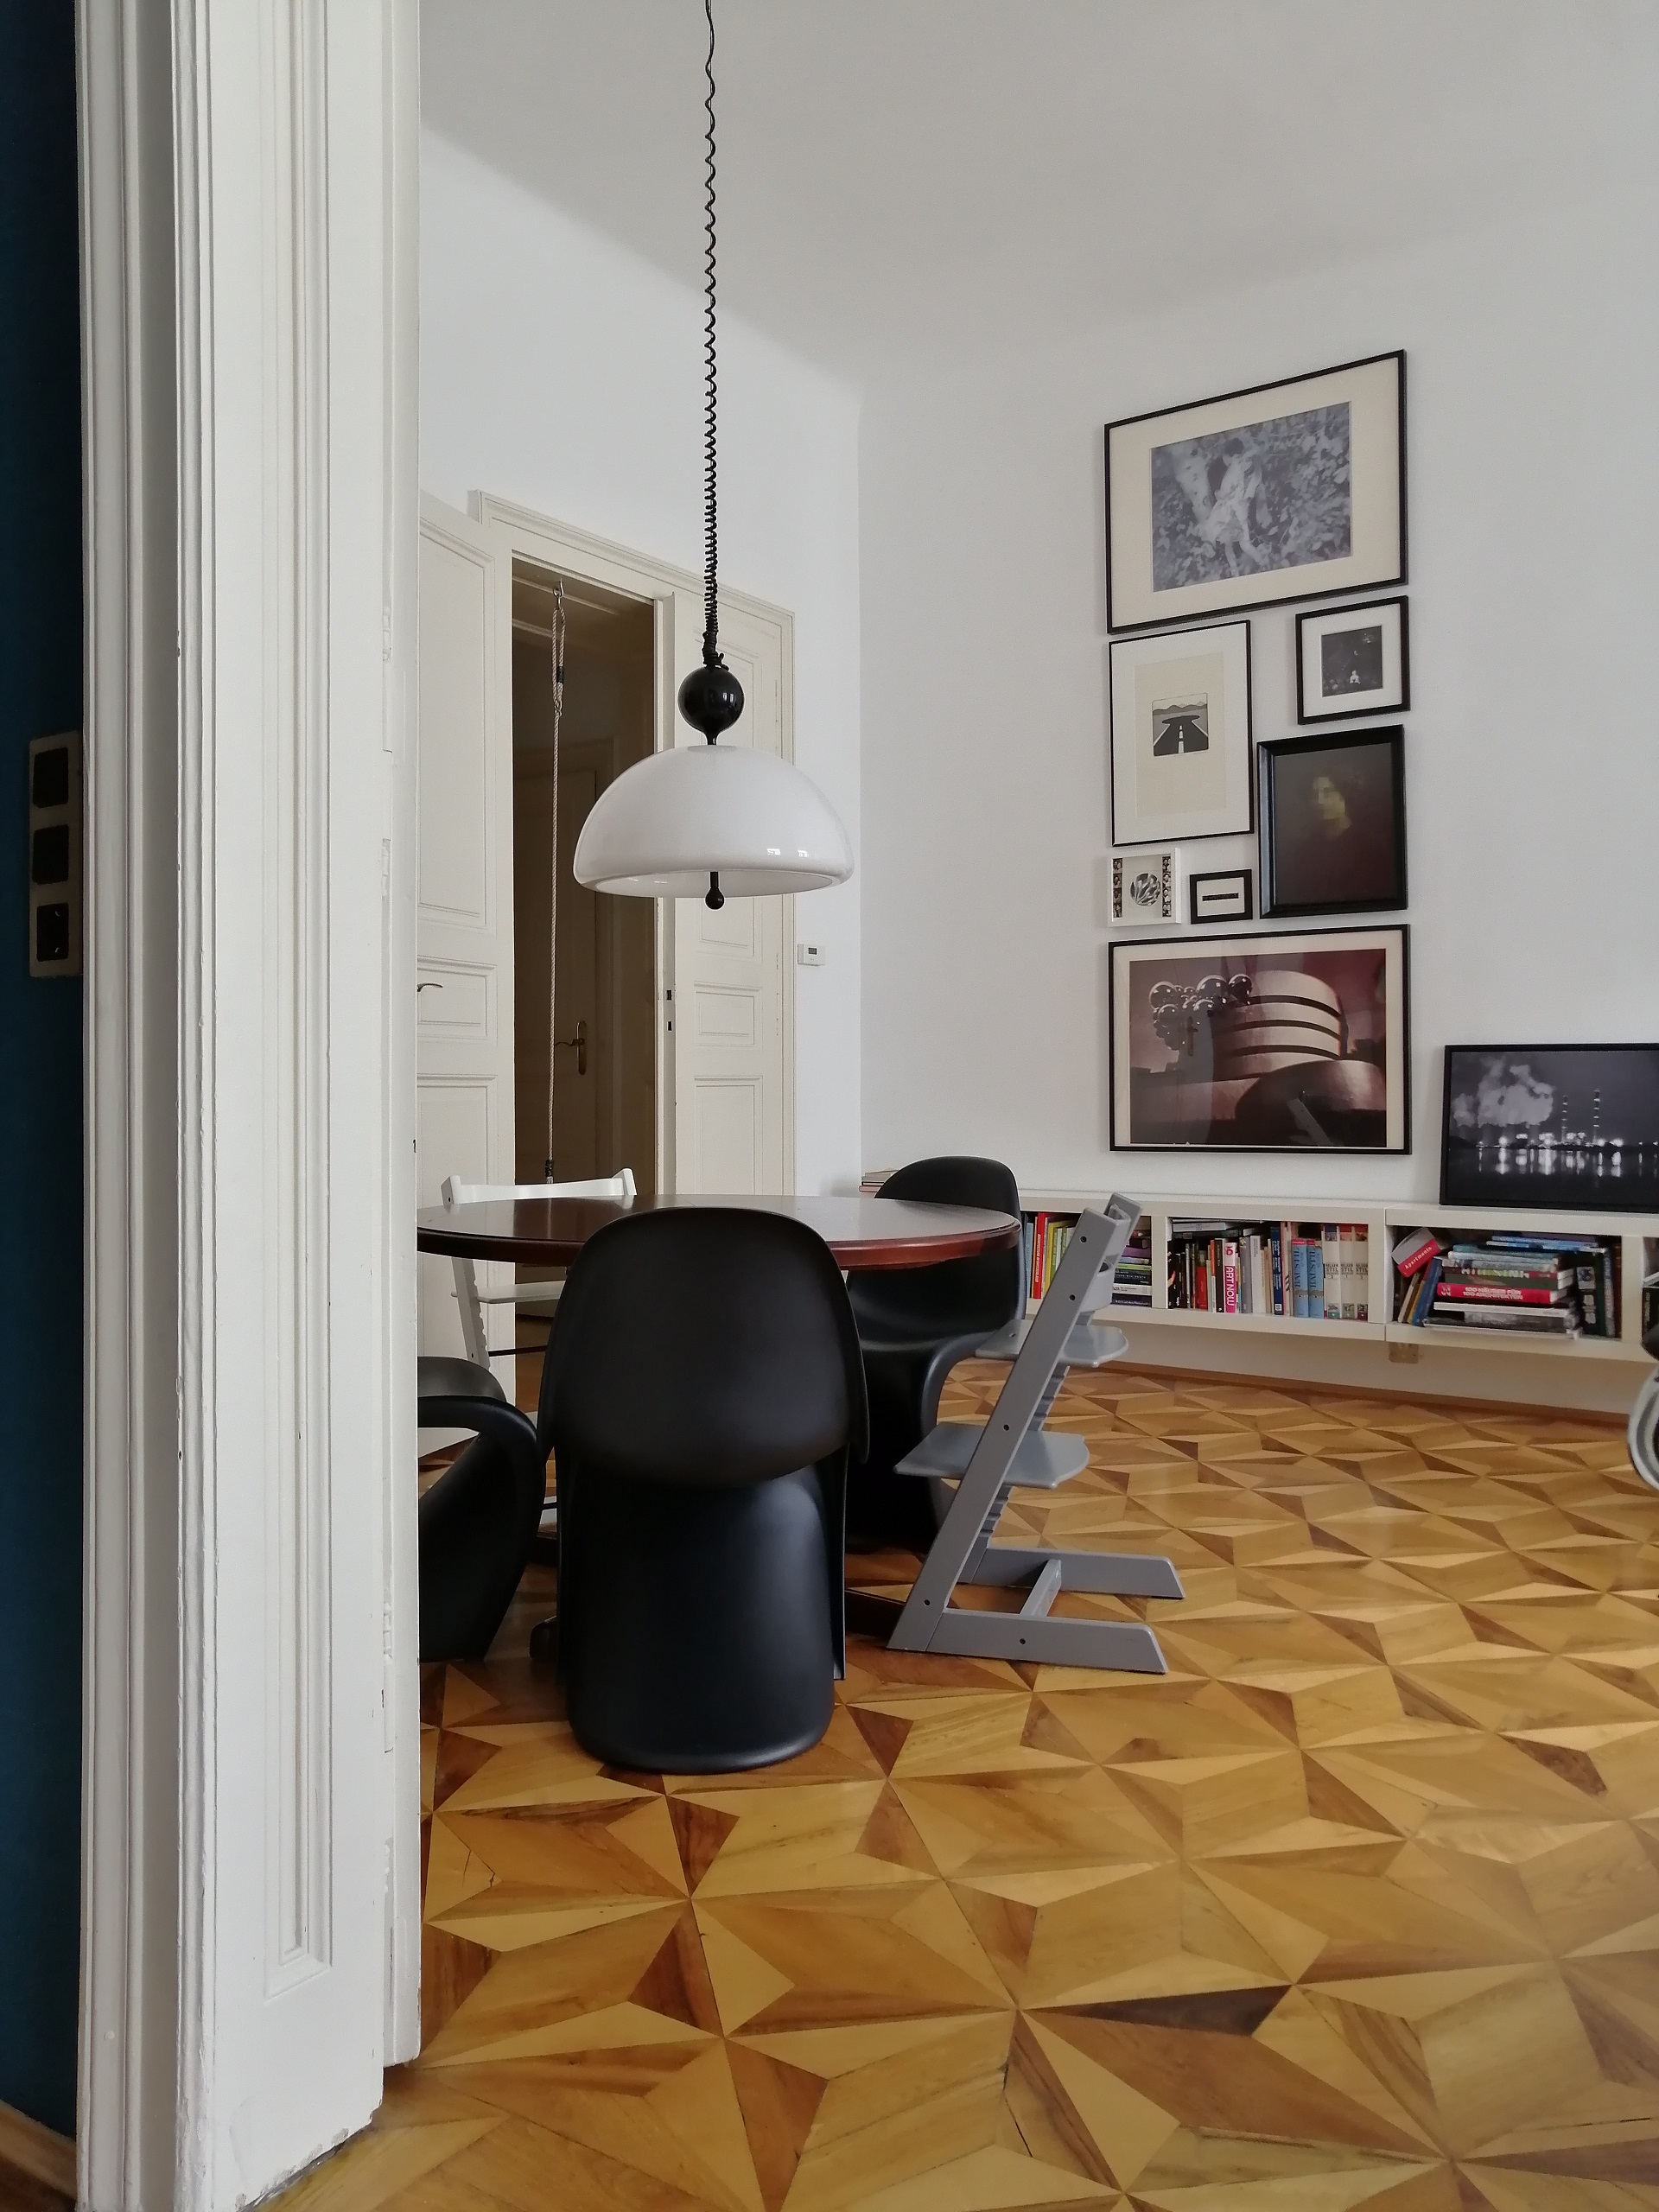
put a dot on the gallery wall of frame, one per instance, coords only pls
(1297, 1038)
(1277, 1041)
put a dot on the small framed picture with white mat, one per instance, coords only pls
(1352, 660)
(1146, 887)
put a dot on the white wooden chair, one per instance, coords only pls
(542, 1295)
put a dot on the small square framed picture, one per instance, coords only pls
(1352, 660)
(1146, 887)
(1333, 823)
(1222, 895)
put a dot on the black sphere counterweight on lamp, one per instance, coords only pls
(691, 816)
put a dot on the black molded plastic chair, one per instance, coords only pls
(915, 1324)
(702, 1393)
(479, 1520)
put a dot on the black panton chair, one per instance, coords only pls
(702, 1394)
(915, 1324)
(479, 1520)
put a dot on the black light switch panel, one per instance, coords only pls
(54, 833)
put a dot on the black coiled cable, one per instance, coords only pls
(710, 532)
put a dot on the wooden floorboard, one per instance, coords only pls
(1358, 1906)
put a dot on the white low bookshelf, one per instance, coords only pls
(1636, 1234)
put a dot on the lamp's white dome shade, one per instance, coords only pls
(670, 822)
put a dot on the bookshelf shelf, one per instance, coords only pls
(1385, 1223)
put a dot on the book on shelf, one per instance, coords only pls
(1543, 1286)
(1292, 1270)
(1526, 1320)
(1043, 1237)
(1415, 1252)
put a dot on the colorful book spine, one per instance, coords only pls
(1501, 1293)
(1298, 1278)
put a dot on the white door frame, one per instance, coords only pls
(676, 594)
(249, 183)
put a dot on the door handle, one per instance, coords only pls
(578, 1044)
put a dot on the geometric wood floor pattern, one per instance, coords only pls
(1358, 1906)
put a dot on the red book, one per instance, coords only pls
(1499, 1294)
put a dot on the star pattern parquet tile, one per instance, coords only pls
(1358, 1906)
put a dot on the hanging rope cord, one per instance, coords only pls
(711, 381)
(553, 872)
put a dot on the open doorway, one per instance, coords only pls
(599, 1113)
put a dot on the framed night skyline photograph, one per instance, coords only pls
(1554, 1125)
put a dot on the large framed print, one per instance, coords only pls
(1333, 823)
(1353, 660)
(1260, 1042)
(1572, 1127)
(1285, 491)
(1180, 735)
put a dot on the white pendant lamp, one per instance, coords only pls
(711, 820)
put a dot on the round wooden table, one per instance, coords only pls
(861, 1232)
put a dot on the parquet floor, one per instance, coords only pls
(1358, 1906)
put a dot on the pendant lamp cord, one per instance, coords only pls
(553, 872)
(710, 530)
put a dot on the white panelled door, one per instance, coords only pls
(464, 985)
(729, 1093)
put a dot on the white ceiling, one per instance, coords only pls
(899, 177)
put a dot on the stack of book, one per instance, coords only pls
(1525, 1286)
(1132, 1284)
(1297, 1270)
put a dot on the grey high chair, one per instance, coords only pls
(1013, 1450)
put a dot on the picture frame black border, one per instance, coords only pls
(1245, 875)
(1185, 837)
(1138, 944)
(1400, 706)
(1397, 355)
(1270, 750)
(1487, 1205)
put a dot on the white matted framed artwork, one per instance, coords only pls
(1352, 660)
(1294, 490)
(1146, 888)
(1180, 735)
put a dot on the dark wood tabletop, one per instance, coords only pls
(861, 1232)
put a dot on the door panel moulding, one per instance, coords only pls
(251, 1809)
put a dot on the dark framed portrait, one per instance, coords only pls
(1353, 660)
(1332, 815)
(1292, 1041)
(1294, 490)
(1552, 1126)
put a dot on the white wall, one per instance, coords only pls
(562, 372)
(1533, 743)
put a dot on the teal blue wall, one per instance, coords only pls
(40, 1079)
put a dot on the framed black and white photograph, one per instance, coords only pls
(1263, 1042)
(1352, 660)
(1552, 1126)
(1285, 491)
(1222, 895)
(1333, 823)
(1180, 735)
(1146, 888)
